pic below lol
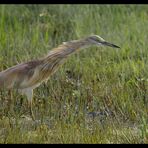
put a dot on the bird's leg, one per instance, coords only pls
(30, 109)
(30, 98)
(10, 105)
(29, 94)
(21, 102)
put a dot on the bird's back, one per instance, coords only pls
(16, 76)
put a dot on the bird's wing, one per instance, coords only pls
(14, 76)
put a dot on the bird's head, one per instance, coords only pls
(97, 40)
(89, 41)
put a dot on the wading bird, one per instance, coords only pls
(27, 76)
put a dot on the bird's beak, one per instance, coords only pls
(108, 44)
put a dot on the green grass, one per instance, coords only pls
(113, 82)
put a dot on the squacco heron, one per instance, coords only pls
(25, 77)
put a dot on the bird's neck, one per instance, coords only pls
(57, 56)
(76, 44)
(66, 49)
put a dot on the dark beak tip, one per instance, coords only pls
(117, 46)
(110, 44)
